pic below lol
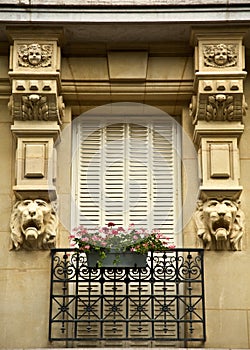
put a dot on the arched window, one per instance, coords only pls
(127, 171)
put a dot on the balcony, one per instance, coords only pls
(160, 304)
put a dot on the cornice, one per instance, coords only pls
(54, 14)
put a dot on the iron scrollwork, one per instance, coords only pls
(162, 302)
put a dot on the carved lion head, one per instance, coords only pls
(220, 224)
(33, 225)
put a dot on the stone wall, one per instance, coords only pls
(165, 75)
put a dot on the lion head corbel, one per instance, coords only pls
(33, 225)
(220, 224)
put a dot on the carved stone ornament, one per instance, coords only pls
(218, 107)
(220, 55)
(36, 107)
(34, 55)
(33, 225)
(220, 224)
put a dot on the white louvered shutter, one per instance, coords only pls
(127, 173)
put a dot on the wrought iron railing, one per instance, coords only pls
(163, 302)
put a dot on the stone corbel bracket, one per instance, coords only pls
(217, 110)
(36, 100)
(218, 100)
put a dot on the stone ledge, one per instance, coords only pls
(134, 348)
(122, 2)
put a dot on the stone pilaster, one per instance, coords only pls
(37, 110)
(217, 111)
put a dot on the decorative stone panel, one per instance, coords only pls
(218, 53)
(35, 55)
(35, 159)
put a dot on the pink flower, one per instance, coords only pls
(171, 246)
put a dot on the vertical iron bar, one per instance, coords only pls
(51, 293)
(76, 293)
(203, 294)
(127, 298)
(102, 270)
(153, 301)
(177, 280)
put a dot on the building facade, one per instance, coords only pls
(158, 82)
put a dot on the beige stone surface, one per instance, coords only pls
(6, 156)
(85, 68)
(228, 285)
(22, 259)
(227, 329)
(127, 65)
(167, 68)
(5, 210)
(24, 276)
(96, 68)
(24, 306)
(64, 209)
(64, 179)
(4, 66)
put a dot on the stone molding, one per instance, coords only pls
(101, 3)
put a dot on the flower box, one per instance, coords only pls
(115, 259)
(118, 247)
